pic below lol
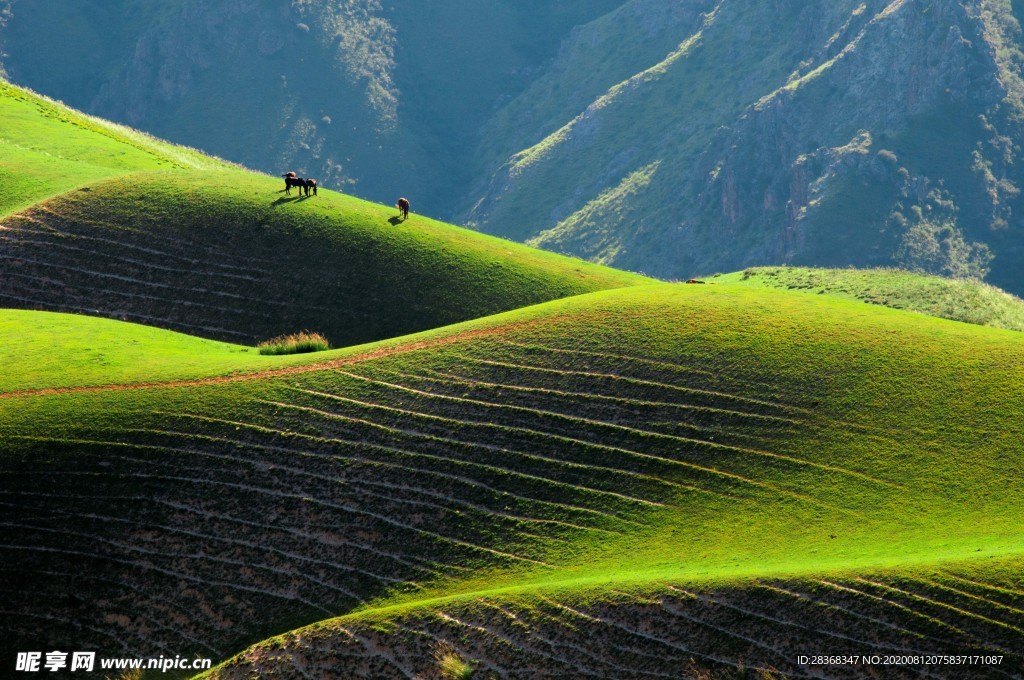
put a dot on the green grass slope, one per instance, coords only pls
(229, 256)
(723, 440)
(106, 221)
(964, 300)
(47, 148)
(51, 351)
(968, 613)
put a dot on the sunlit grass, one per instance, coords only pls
(294, 343)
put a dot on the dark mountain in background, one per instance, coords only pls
(675, 138)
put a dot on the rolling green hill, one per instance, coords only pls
(592, 453)
(160, 235)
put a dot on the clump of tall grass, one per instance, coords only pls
(451, 665)
(296, 343)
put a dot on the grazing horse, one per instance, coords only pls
(291, 180)
(309, 184)
(403, 208)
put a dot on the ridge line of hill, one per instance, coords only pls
(561, 581)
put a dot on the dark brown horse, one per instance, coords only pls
(292, 180)
(403, 208)
(309, 184)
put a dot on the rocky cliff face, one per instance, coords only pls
(674, 138)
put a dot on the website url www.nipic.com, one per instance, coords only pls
(36, 662)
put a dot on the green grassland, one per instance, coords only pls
(131, 228)
(964, 300)
(47, 148)
(229, 256)
(534, 464)
(621, 441)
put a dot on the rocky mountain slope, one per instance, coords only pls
(676, 138)
(826, 133)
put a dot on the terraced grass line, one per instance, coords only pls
(689, 440)
(258, 490)
(214, 539)
(908, 610)
(487, 467)
(685, 464)
(777, 653)
(485, 424)
(810, 631)
(849, 612)
(176, 574)
(452, 378)
(403, 468)
(943, 605)
(646, 383)
(47, 229)
(67, 576)
(660, 366)
(132, 548)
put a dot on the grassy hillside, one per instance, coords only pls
(718, 439)
(964, 300)
(47, 148)
(228, 256)
(140, 230)
(676, 629)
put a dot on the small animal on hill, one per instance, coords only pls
(292, 180)
(309, 184)
(695, 281)
(403, 208)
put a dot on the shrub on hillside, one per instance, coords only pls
(451, 665)
(296, 343)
